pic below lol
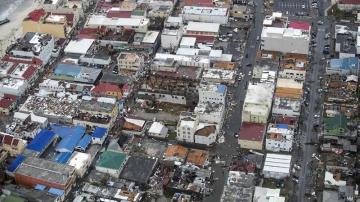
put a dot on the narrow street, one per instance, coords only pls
(233, 122)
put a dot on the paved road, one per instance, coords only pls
(306, 180)
(233, 121)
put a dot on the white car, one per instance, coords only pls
(250, 73)
(303, 6)
(316, 116)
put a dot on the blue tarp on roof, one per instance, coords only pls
(63, 157)
(68, 143)
(99, 132)
(57, 192)
(84, 142)
(41, 141)
(351, 63)
(67, 70)
(286, 126)
(40, 187)
(15, 163)
(221, 88)
(64, 131)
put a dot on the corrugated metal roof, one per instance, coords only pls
(84, 142)
(63, 157)
(99, 132)
(41, 140)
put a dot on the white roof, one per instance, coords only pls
(277, 163)
(21, 116)
(329, 180)
(78, 160)
(189, 124)
(80, 46)
(106, 100)
(101, 20)
(150, 37)
(188, 41)
(172, 19)
(137, 122)
(209, 11)
(156, 128)
(259, 94)
(263, 194)
(218, 74)
(203, 27)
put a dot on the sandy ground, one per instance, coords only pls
(11, 31)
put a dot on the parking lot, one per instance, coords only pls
(292, 7)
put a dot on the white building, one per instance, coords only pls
(257, 103)
(13, 86)
(186, 127)
(291, 40)
(213, 55)
(81, 162)
(279, 138)
(277, 166)
(34, 45)
(219, 76)
(205, 14)
(263, 194)
(130, 61)
(79, 47)
(206, 133)
(202, 29)
(187, 42)
(213, 93)
(159, 130)
(210, 112)
(193, 61)
(172, 32)
(138, 24)
(49, 85)
(286, 107)
(298, 74)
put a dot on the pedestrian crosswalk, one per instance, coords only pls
(291, 7)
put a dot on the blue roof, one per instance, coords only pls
(64, 131)
(63, 157)
(40, 187)
(57, 192)
(221, 88)
(41, 141)
(68, 143)
(286, 126)
(67, 69)
(15, 163)
(99, 132)
(84, 142)
(345, 63)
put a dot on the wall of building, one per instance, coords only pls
(251, 116)
(278, 146)
(211, 96)
(348, 7)
(206, 140)
(111, 172)
(292, 74)
(248, 144)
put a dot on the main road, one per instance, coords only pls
(233, 121)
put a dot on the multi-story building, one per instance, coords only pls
(205, 14)
(57, 24)
(213, 93)
(34, 45)
(172, 33)
(279, 138)
(186, 127)
(138, 24)
(257, 103)
(202, 29)
(292, 40)
(11, 144)
(130, 61)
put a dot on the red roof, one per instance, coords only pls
(284, 120)
(118, 14)
(252, 131)
(6, 102)
(349, 2)
(203, 3)
(106, 87)
(33, 61)
(30, 71)
(300, 25)
(36, 15)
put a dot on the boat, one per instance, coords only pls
(4, 21)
